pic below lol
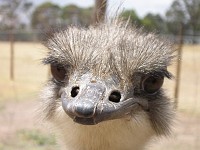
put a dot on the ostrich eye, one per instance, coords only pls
(58, 72)
(152, 84)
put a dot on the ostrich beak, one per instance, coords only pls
(92, 105)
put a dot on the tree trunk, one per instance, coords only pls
(99, 11)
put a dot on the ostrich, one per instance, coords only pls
(106, 92)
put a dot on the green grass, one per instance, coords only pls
(36, 137)
(30, 140)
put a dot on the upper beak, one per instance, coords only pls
(92, 105)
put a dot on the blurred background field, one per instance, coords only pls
(19, 126)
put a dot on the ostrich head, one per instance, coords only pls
(106, 86)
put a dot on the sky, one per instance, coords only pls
(142, 7)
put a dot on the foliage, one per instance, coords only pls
(49, 15)
(73, 14)
(192, 10)
(132, 16)
(153, 22)
(185, 12)
(10, 11)
(175, 17)
(46, 15)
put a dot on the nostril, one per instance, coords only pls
(75, 91)
(115, 96)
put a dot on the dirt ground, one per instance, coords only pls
(20, 130)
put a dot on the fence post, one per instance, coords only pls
(178, 68)
(12, 55)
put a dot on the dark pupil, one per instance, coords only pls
(60, 69)
(153, 84)
(58, 72)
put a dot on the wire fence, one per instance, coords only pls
(23, 35)
(37, 35)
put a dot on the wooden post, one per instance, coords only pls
(12, 56)
(99, 11)
(178, 69)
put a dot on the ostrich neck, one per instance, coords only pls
(120, 134)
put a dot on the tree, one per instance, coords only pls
(132, 16)
(86, 16)
(192, 10)
(175, 17)
(185, 12)
(10, 11)
(153, 22)
(46, 15)
(73, 14)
